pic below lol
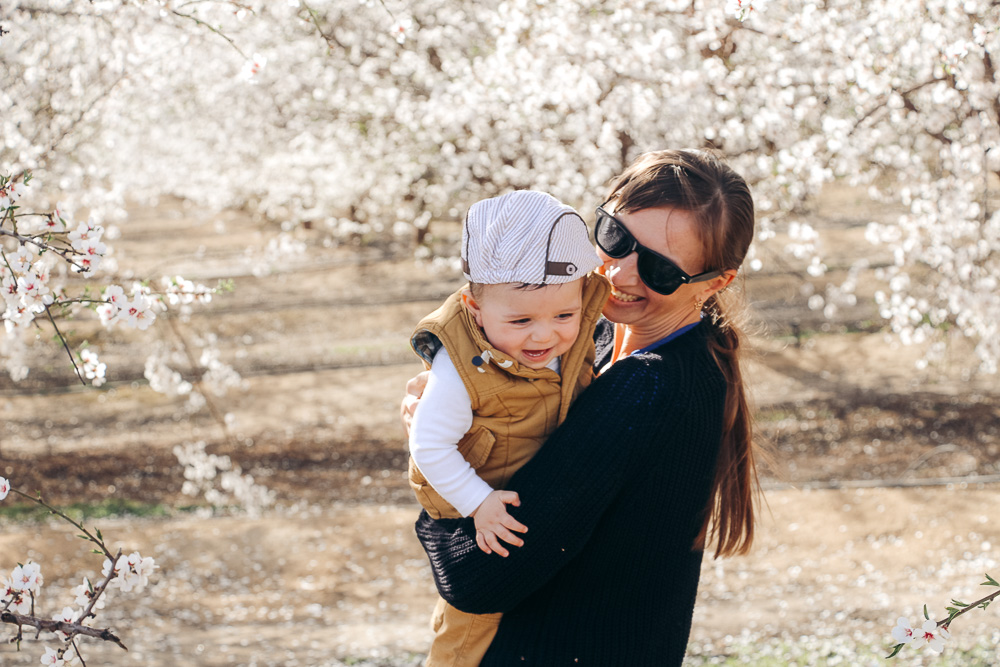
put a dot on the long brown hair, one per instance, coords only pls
(720, 200)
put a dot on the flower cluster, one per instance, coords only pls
(130, 573)
(928, 634)
(19, 592)
(37, 241)
(85, 595)
(934, 633)
(252, 67)
(219, 480)
(136, 312)
(179, 291)
(741, 9)
(90, 250)
(20, 589)
(10, 192)
(92, 367)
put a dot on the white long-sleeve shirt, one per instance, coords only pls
(442, 418)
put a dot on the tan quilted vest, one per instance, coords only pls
(514, 408)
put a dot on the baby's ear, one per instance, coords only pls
(469, 302)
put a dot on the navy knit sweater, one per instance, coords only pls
(613, 501)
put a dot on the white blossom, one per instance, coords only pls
(93, 368)
(27, 577)
(253, 67)
(84, 593)
(52, 658)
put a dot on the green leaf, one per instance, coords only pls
(959, 603)
(896, 649)
(990, 581)
(926, 615)
(99, 536)
(83, 537)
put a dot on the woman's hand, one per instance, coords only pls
(414, 390)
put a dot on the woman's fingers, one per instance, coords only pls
(414, 389)
(415, 385)
(406, 410)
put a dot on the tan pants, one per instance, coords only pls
(460, 639)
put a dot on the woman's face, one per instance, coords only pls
(672, 233)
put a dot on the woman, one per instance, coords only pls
(653, 460)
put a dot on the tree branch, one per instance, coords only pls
(904, 94)
(62, 252)
(52, 625)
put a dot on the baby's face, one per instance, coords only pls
(533, 326)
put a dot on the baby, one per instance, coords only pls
(507, 355)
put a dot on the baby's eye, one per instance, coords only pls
(566, 316)
(523, 320)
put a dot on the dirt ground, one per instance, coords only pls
(881, 499)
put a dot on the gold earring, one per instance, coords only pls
(698, 304)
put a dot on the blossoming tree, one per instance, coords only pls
(380, 117)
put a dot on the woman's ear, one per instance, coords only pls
(718, 284)
(470, 303)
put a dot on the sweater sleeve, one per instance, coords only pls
(443, 416)
(564, 491)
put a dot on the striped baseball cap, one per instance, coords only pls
(525, 237)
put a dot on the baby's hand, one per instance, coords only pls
(493, 523)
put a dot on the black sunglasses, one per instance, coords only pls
(658, 272)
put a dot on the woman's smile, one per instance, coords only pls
(623, 296)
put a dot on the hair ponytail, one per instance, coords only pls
(735, 495)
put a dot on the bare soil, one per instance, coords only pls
(880, 500)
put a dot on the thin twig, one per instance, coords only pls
(974, 605)
(65, 344)
(212, 28)
(38, 500)
(330, 39)
(198, 382)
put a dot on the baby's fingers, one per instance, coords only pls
(510, 498)
(507, 521)
(509, 537)
(481, 541)
(495, 545)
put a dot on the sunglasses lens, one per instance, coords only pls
(612, 237)
(659, 274)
